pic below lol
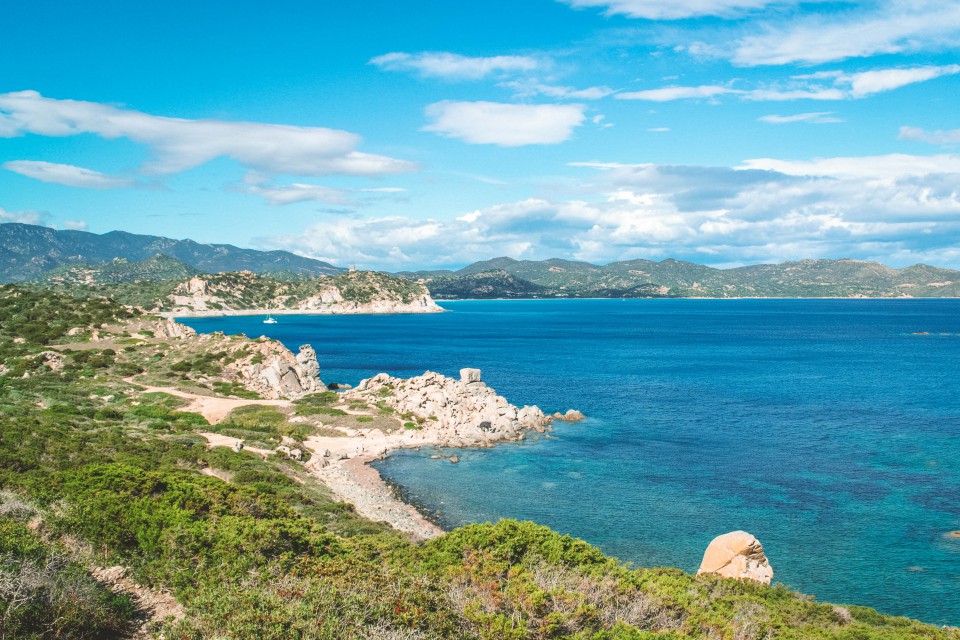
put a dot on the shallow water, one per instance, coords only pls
(827, 428)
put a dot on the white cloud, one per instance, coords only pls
(452, 66)
(24, 217)
(298, 192)
(658, 129)
(893, 27)
(673, 9)
(892, 208)
(667, 94)
(816, 117)
(938, 137)
(871, 82)
(527, 89)
(179, 144)
(507, 125)
(75, 225)
(69, 175)
(824, 85)
(789, 95)
(888, 167)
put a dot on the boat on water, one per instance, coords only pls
(270, 320)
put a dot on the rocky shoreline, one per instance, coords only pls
(436, 410)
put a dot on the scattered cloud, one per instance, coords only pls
(674, 9)
(180, 144)
(529, 89)
(257, 184)
(896, 207)
(69, 175)
(816, 117)
(824, 85)
(25, 217)
(894, 166)
(298, 192)
(938, 137)
(75, 225)
(668, 94)
(452, 66)
(887, 27)
(658, 129)
(506, 125)
(869, 83)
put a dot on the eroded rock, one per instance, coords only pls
(737, 555)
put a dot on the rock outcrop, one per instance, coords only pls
(737, 555)
(273, 371)
(464, 411)
(169, 328)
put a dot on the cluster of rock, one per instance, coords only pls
(737, 555)
(462, 412)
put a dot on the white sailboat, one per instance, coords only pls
(270, 320)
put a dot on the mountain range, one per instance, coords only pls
(44, 255)
(30, 251)
(555, 278)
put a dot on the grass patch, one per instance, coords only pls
(235, 389)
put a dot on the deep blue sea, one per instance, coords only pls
(827, 428)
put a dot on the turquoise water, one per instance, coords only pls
(826, 428)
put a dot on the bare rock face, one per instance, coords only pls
(170, 328)
(274, 372)
(469, 375)
(737, 555)
(309, 368)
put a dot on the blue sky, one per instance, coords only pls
(403, 135)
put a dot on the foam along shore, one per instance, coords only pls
(442, 411)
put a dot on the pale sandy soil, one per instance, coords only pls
(211, 408)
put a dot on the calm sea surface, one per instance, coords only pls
(826, 428)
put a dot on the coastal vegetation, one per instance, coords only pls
(96, 470)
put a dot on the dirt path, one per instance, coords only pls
(156, 606)
(212, 408)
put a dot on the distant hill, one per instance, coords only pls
(29, 251)
(182, 291)
(508, 278)
(159, 268)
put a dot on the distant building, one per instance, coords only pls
(353, 268)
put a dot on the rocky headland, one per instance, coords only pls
(204, 296)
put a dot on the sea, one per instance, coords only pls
(829, 429)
